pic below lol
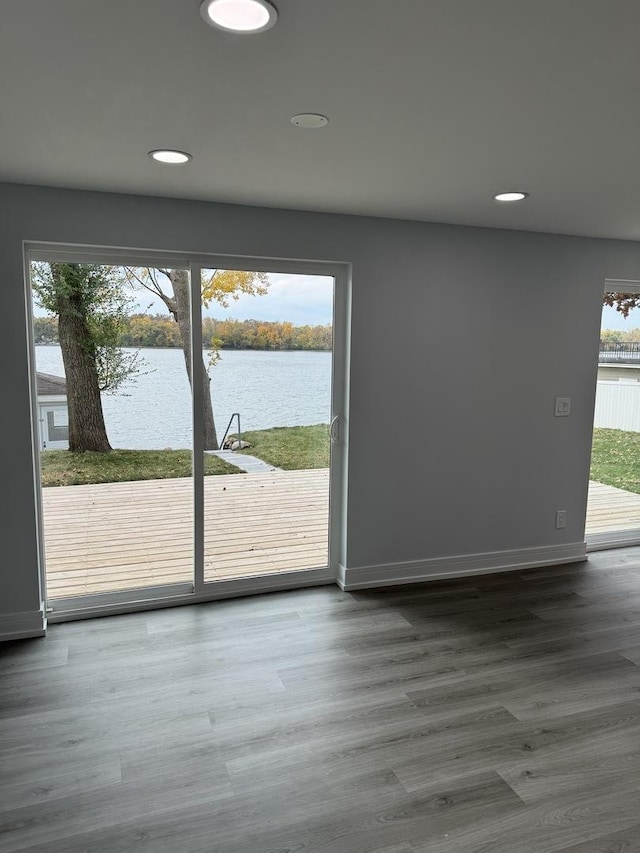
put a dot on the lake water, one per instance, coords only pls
(267, 388)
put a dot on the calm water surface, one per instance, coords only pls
(267, 388)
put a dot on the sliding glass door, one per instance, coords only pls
(613, 508)
(114, 430)
(189, 422)
(267, 411)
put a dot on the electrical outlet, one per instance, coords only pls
(561, 519)
(562, 407)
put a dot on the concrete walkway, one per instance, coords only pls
(246, 463)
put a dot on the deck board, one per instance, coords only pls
(111, 536)
(610, 509)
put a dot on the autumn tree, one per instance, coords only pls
(173, 289)
(622, 302)
(143, 330)
(611, 336)
(263, 334)
(90, 305)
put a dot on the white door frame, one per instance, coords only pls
(339, 406)
(201, 590)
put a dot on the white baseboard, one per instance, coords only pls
(465, 565)
(20, 626)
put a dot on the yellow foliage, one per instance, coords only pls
(222, 285)
(217, 285)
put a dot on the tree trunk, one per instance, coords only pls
(86, 420)
(182, 315)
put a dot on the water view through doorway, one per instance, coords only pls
(119, 516)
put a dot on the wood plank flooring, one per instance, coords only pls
(111, 536)
(487, 715)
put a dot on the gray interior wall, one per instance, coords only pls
(461, 339)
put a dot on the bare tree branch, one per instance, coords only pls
(149, 281)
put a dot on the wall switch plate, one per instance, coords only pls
(563, 407)
(561, 519)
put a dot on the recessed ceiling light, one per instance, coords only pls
(511, 196)
(309, 120)
(239, 16)
(170, 155)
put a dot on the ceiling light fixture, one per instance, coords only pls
(170, 155)
(311, 121)
(239, 16)
(513, 195)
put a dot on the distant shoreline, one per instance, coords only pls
(207, 349)
(160, 332)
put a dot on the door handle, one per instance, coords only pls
(334, 429)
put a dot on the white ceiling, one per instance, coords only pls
(434, 106)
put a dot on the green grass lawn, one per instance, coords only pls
(62, 468)
(291, 448)
(615, 459)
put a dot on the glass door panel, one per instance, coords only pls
(114, 421)
(613, 508)
(266, 406)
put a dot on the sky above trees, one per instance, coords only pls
(612, 319)
(299, 299)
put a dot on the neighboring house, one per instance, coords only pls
(53, 417)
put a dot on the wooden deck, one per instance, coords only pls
(611, 509)
(113, 536)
